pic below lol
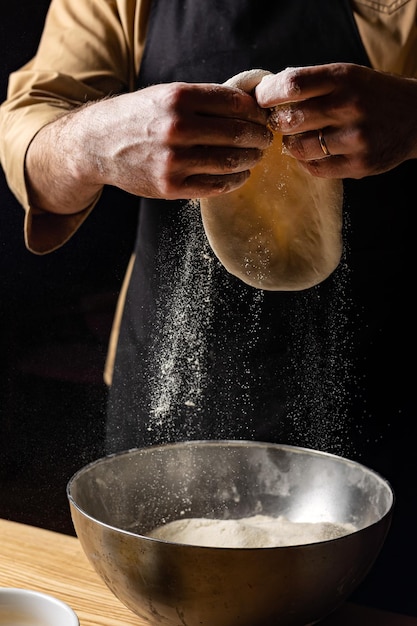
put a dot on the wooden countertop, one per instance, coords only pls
(34, 558)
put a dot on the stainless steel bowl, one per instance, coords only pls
(117, 500)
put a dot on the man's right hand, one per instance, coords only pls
(171, 141)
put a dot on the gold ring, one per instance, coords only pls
(323, 144)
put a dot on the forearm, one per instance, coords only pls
(60, 177)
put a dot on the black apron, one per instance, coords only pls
(202, 355)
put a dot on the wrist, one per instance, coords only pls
(59, 177)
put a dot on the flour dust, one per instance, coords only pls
(315, 378)
(179, 376)
(182, 338)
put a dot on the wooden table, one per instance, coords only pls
(34, 558)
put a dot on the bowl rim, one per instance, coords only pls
(229, 443)
(13, 594)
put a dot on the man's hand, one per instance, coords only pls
(169, 141)
(366, 117)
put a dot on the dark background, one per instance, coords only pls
(55, 318)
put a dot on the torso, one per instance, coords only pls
(202, 355)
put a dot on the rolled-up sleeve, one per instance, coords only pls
(86, 52)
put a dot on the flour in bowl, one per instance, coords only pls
(257, 531)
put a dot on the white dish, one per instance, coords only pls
(24, 607)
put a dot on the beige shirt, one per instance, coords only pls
(96, 50)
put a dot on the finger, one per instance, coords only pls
(317, 144)
(214, 161)
(225, 101)
(296, 84)
(204, 186)
(220, 131)
(338, 166)
(308, 115)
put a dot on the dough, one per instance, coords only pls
(258, 531)
(282, 229)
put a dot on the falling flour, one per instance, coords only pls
(181, 342)
(258, 531)
(316, 376)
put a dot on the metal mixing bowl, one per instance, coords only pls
(115, 501)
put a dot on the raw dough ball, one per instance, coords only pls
(282, 229)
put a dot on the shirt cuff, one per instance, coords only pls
(43, 231)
